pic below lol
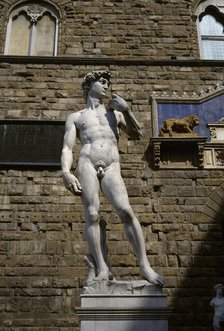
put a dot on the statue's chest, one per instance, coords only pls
(98, 119)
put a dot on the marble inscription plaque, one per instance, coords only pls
(31, 142)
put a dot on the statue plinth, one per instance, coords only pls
(123, 306)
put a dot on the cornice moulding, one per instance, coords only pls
(108, 61)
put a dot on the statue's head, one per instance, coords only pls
(93, 77)
(218, 288)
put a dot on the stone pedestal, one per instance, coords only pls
(123, 306)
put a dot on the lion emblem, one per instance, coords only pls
(179, 127)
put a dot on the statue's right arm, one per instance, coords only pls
(70, 181)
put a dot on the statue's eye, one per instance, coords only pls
(103, 80)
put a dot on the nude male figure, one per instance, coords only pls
(218, 304)
(98, 168)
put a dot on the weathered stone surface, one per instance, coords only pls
(121, 29)
(138, 287)
(41, 225)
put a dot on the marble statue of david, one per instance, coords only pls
(98, 168)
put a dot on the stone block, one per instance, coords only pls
(124, 306)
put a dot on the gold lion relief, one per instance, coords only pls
(182, 127)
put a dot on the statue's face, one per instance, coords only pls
(98, 88)
(219, 290)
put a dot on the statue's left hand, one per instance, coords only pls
(118, 103)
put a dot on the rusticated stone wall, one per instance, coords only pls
(117, 28)
(41, 224)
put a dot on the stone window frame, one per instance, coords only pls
(34, 10)
(215, 8)
(200, 145)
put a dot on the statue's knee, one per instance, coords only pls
(93, 215)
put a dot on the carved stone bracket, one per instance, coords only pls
(35, 11)
(201, 145)
(178, 152)
(217, 131)
(156, 153)
(214, 150)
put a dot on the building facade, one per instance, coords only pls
(166, 59)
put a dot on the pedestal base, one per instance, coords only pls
(123, 306)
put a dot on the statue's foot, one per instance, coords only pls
(151, 276)
(102, 275)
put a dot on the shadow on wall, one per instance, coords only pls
(191, 300)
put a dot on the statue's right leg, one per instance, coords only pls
(90, 196)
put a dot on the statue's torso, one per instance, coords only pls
(98, 132)
(218, 304)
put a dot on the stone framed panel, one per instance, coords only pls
(31, 143)
(178, 153)
(214, 156)
(208, 108)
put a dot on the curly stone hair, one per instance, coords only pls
(93, 77)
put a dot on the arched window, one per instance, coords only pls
(211, 31)
(32, 30)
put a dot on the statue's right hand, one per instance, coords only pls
(71, 183)
(118, 103)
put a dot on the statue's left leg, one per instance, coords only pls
(114, 189)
